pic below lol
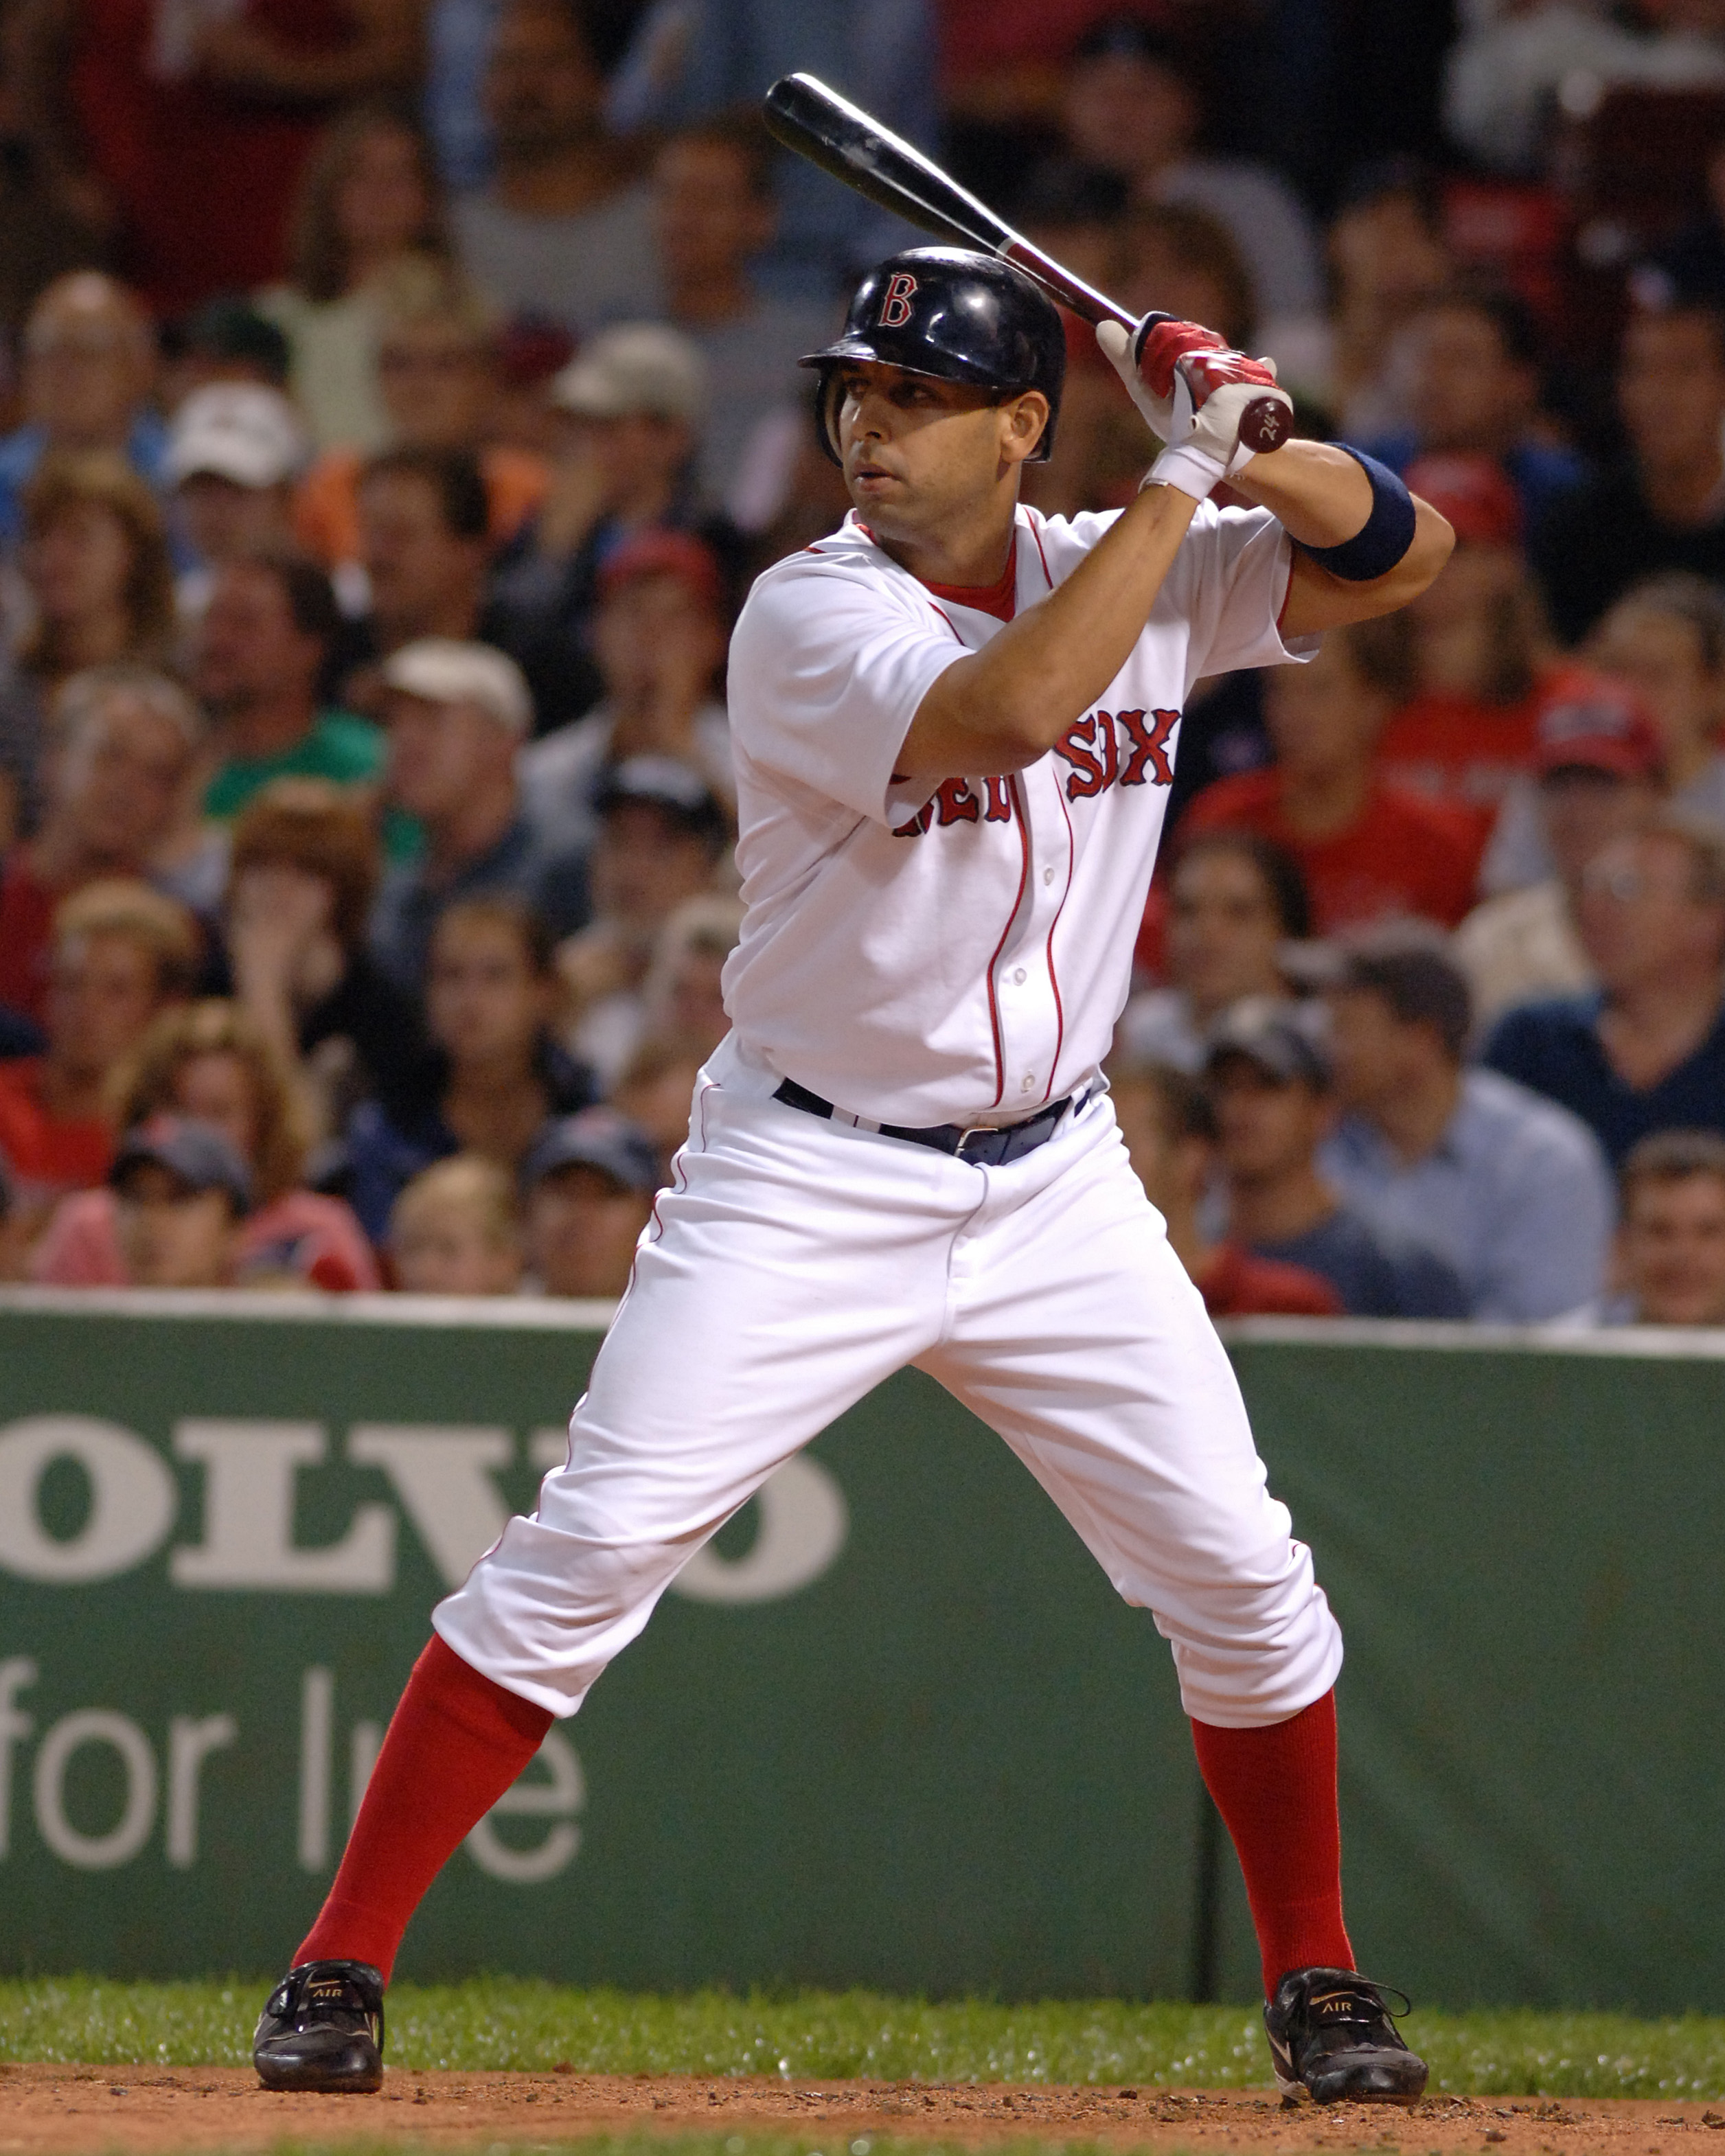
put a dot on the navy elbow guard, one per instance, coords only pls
(1382, 540)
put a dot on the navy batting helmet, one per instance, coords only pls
(957, 316)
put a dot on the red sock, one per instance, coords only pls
(1276, 1789)
(455, 1742)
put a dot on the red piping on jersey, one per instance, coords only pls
(1023, 825)
(1053, 978)
(947, 618)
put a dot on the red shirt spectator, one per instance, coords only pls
(1238, 1283)
(298, 1235)
(1400, 855)
(120, 952)
(27, 905)
(211, 1063)
(127, 741)
(1471, 647)
(48, 1152)
(196, 128)
(1367, 849)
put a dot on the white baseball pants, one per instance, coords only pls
(794, 1264)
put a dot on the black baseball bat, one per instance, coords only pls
(842, 139)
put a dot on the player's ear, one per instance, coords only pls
(1025, 417)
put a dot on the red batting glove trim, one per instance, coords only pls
(1206, 371)
(1168, 343)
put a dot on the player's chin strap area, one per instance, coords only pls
(980, 1145)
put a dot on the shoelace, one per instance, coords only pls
(1369, 2002)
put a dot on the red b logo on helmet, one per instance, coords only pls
(896, 307)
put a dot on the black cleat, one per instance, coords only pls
(1331, 2035)
(322, 2028)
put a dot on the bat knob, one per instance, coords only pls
(1264, 424)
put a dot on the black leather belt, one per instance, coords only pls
(980, 1144)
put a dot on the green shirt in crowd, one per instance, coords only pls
(347, 750)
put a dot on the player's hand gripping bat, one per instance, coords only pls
(839, 137)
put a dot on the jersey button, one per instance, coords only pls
(1047, 875)
(1027, 1083)
(1020, 977)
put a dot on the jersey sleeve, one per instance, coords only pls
(827, 671)
(1234, 567)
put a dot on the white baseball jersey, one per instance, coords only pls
(957, 952)
(923, 954)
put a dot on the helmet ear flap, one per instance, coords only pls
(826, 416)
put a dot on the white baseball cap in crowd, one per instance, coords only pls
(443, 671)
(636, 367)
(241, 431)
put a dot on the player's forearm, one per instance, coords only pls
(1007, 705)
(1321, 497)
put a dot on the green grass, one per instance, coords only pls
(505, 2022)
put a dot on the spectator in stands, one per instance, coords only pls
(1664, 507)
(438, 372)
(1269, 1077)
(1597, 776)
(234, 452)
(95, 559)
(1169, 1130)
(1670, 1243)
(368, 203)
(177, 1194)
(457, 715)
(590, 1182)
(659, 637)
(628, 412)
(1646, 1050)
(1472, 361)
(711, 57)
(683, 998)
(425, 548)
(1365, 849)
(1386, 258)
(303, 875)
(209, 1063)
(1471, 667)
(491, 993)
(1510, 63)
(186, 131)
(455, 1230)
(89, 362)
(127, 738)
(654, 1090)
(1512, 1190)
(661, 834)
(714, 214)
(1133, 105)
(563, 227)
(1666, 636)
(257, 661)
(1234, 902)
(121, 952)
(226, 341)
(532, 353)
(1185, 261)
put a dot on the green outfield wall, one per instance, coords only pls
(892, 1728)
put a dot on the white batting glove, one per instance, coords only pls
(1215, 408)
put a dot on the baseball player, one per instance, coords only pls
(955, 724)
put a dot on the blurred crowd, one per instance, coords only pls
(397, 399)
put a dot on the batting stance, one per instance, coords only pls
(955, 724)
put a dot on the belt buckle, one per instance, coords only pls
(974, 1131)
